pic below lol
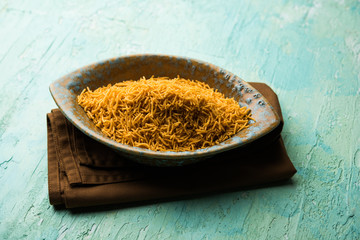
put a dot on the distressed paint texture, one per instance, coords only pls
(307, 51)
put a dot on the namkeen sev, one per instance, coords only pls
(163, 114)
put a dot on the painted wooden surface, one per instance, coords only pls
(307, 51)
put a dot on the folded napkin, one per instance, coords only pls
(83, 172)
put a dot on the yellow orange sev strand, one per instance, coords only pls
(164, 114)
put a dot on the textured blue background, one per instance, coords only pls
(307, 51)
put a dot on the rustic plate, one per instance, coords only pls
(66, 89)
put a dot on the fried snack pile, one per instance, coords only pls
(163, 114)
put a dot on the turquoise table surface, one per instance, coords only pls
(307, 51)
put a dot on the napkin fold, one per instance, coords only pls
(83, 172)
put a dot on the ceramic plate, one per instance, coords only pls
(66, 89)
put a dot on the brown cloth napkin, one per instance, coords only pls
(83, 172)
